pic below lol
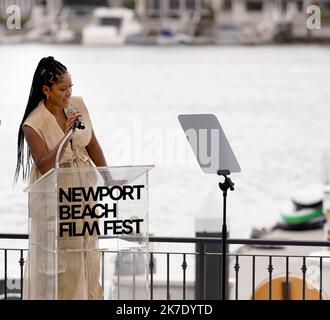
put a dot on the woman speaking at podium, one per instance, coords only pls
(44, 126)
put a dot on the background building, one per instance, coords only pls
(193, 17)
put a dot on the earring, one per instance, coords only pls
(47, 96)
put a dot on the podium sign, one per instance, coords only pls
(82, 228)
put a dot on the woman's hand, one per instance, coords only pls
(70, 124)
(72, 117)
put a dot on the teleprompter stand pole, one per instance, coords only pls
(227, 184)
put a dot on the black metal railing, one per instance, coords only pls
(300, 273)
(195, 273)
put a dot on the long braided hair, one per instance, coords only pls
(47, 73)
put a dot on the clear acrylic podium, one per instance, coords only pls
(79, 225)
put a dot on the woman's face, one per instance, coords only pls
(60, 92)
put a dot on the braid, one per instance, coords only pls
(47, 73)
(52, 71)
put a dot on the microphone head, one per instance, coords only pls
(69, 110)
(80, 125)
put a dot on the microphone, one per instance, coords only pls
(79, 122)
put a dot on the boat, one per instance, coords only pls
(310, 196)
(305, 211)
(168, 37)
(111, 26)
(69, 22)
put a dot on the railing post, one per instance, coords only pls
(321, 277)
(134, 275)
(21, 263)
(184, 267)
(200, 272)
(151, 268)
(5, 252)
(118, 275)
(236, 267)
(287, 283)
(253, 277)
(270, 271)
(102, 259)
(304, 270)
(168, 276)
